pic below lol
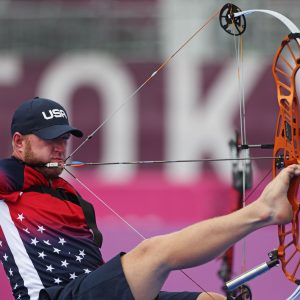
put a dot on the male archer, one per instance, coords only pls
(50, 243)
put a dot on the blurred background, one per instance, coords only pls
(91, 55)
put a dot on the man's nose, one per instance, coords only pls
(60, 145)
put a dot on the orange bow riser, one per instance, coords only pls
(286, 148)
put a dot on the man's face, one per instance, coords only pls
(39, 151)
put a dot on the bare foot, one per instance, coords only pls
(274, 196)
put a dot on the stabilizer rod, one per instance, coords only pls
(253, 273)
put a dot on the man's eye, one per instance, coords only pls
(65, 136)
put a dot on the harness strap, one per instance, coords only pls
(87, 208)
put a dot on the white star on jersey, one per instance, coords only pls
(42, 254)
(73, 276)
(78, 258)
(26, 230)
(64, 263)
(62, 241)
(34, 241)
(55, 250)
(20, 217)
(50, 268)
(57, 280)
(41, 229)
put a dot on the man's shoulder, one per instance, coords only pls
(11, 175)
(11, 165)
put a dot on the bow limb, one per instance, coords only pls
(286, 21)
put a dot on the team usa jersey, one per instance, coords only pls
(44, 240)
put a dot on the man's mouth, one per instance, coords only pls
(55, 162)
(57, 159)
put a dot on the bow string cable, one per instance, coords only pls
(245, 152)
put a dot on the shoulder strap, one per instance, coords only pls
(90, 218)
(87, 208)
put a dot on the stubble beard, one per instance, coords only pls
(30, 159)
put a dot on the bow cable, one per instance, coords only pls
(246, 164)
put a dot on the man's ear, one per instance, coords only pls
(18, 142)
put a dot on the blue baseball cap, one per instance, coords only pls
(43, 117)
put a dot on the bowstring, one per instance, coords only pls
(239, 55)
(245, 152)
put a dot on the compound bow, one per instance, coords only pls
(286, 142)
(286, 149)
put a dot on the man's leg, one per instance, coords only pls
(211, 296)
(148, 265)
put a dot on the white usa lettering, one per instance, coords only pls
(54, 113)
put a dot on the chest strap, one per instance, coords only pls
(87, 208)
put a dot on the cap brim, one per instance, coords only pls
(56, 131)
